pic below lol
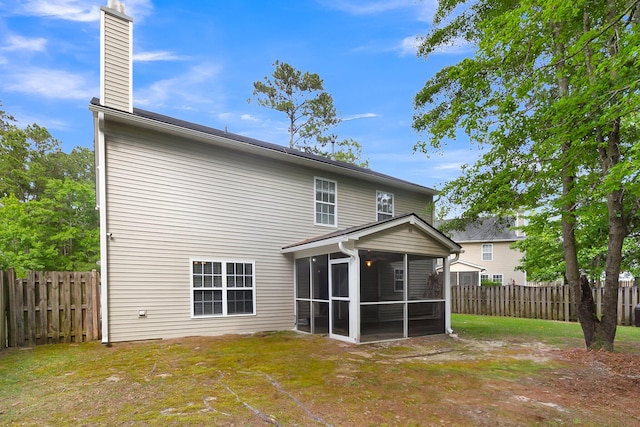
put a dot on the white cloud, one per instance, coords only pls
(249, 118)
(19, 43)
(359, 116)
(194, 87)
(410, 45)
(425, 8)
(357, 7)
(50, 84)
(71, 10)
(156, 56)
(81, 10)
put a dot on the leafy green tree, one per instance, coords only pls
(551, 92)
(309, 110)
(48, 219)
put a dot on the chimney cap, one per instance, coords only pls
(116, 5)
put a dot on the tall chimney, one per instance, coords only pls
(116, 57)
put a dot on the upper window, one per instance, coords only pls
(325, 202)
(384, 205)
(487, 252)
(222, 288)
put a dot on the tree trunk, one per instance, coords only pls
(609, 151)
(569, 246)
(587, 312)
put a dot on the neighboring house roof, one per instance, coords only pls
(491, 229)
(374, 227)
(462, 262)
(148, 119)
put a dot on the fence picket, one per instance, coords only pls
(49, 307)
(550, 303)
(54, 307)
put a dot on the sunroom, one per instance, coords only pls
(375, 282)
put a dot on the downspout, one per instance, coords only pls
(350, 252)
(104, 234)
(447, 289)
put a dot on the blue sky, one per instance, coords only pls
(197, 61)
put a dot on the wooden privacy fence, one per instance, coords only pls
(49, 307)
(549, 302)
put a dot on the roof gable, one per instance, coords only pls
(355, 233)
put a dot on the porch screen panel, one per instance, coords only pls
(303, 322)
(320, 318)
(426, 318)
(303, 278)
(382, 276)
(381, 322)
(422, 282)
(320, 283)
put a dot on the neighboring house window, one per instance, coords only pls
(398, 280)
(487, 252)
(222, 288)
(325, 202)
(498, 278)
(384, 205)
(484, 277)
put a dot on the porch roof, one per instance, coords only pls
(471, 266)
(357, 232)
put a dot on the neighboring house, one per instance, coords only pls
(487, 253)
(204, 232)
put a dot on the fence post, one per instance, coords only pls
(4, 296)
(16, 310)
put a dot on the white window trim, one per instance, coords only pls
(494, 278)
(482, 252)
(224, 287)
(378, 211)
(396, 281)
(335, 204)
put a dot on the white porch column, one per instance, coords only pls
(446, 267)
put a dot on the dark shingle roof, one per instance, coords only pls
(261, 144)
(485, 230)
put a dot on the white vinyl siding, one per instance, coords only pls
(166, 195)
(325, 205)
(487, 252)
(384, 205)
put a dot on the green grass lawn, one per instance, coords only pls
(559, 334)
(287, 376)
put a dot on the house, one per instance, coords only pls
(487, 253)
(205, 232)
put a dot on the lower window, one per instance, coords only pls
(222, 288)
